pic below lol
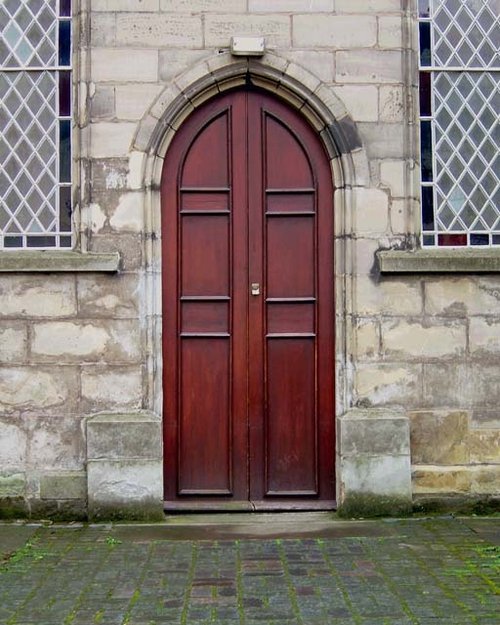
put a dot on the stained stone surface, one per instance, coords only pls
(440, 571)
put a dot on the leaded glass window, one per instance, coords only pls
(35, 124)
(459, 121)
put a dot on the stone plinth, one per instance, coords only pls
(124, 466)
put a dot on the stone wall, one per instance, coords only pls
(69, 346)
(73, 345)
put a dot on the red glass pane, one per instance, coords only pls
(64, 94)
(452, 239)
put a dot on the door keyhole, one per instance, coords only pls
(255, 288)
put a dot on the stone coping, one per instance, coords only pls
(439, 261)
(58, 261)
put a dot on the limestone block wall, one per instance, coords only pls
(70, 345)
(430, 344)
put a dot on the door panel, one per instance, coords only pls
(205, 461)
(291, 459)
(248, 372)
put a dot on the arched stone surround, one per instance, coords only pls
(324, 111)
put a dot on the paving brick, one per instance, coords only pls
(370, 574)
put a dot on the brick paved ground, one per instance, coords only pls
(411, 572)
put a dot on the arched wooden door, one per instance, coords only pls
(248, 312)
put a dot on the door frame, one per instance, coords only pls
(325, 112)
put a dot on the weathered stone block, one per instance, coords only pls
(484, 336)
(391, 105)
(484, 445)
(363, 251)
(400, 212)
(361, 101)
(12, 484)
(67, 485)
(462, 296)
(35, 389)
(393, 175)
(439, 437)
(123, 436)
(220, 28)
(367, 338)
(125, 467)
(334, 31)
(129, 214)
(422, 339)
(390, 32)
(446, 385)
(111, 139)
(438, 479)
(111, 388)
(173, 62)
(129, 245)
(159, 30)
(103, 29)
(13, 442)
(371, 212)
(195, 6)
(377, 384)
(382, 476)
(362, 6)
(487, 418)
(56, 443)
(369, 66)
(134, 6)
(13, 342)
(102, 103)
(108, 65)
(374, 432)
(382, 140)
(116, 296)
(389, 297)
(93, 217)
(483, 387)
(319, 63)
(291, 6)
(132, 101)
(485, 480)
(127, 489)
(31, 296)
(104, 341)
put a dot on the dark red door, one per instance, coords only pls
(248, 314)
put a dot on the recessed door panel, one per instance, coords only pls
(204, 461)
(248, 314)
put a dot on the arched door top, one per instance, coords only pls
(316, 101)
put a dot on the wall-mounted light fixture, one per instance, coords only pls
(248, 46)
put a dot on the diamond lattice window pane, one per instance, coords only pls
(30, 170)
(467, 128)
(466, 33)
(29, 33)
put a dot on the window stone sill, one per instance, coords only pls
(57, 261)
(439, 261)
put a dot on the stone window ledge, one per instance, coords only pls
(439, 261)
(57, 261)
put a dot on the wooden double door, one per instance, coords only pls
(248, 310)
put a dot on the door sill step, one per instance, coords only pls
(249, 506)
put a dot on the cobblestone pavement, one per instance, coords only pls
(390, 572)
